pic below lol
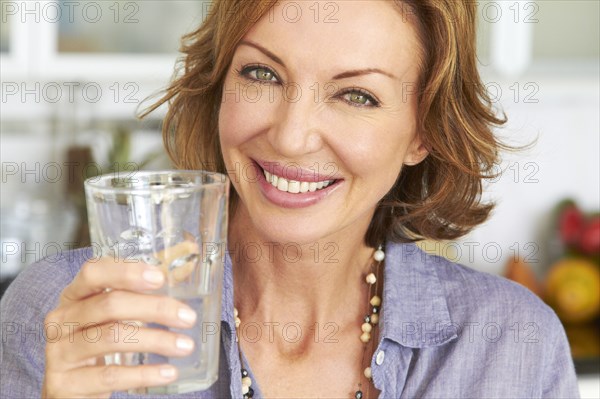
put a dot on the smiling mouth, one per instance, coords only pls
(295, 186)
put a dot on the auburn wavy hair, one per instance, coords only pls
(439, 198)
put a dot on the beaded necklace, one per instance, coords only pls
(370, 321)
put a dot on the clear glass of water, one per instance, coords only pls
(176, 220)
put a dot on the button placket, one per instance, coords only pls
(380, 357)
(380, 378)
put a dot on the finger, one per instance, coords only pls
(95, 277)
(127, 337)
(124, 305)
(101, 381)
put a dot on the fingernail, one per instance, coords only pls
(153, 277)
(186, 315)
(184, 343)
(167, 371)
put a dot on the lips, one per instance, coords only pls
(291, 186)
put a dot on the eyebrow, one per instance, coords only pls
(339, 76)
(264, 51)
(359, 72)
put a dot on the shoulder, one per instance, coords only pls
(473, 309)
(469, 293)
(461, 316)
(37, 288)
(24, 306)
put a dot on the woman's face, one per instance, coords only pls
(319, 94)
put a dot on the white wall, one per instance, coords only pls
(565, 162)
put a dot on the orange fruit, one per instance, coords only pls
(573, 290)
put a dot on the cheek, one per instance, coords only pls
(377, 169)
(231, 123)
(374, 153)
(240, 118)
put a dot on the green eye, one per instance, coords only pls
(263, 74)
(258, 73)
(358, 98)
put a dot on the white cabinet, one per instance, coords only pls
(102, 57)
(89, 40)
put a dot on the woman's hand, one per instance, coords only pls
(87, 319)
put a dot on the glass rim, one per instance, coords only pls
(98, 183)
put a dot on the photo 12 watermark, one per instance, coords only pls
(90, 12)
(291, 332)
(70, 92)
(130, 251)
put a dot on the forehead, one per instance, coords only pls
(371, 33)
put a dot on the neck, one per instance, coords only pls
(304, 283)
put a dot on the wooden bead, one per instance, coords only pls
(370, 279)
(368, 373)
(374, 318)
(375, 301)
(379, 255)
(365, 337)
(247, 381)
(367, 327)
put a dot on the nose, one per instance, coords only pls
(296, 129)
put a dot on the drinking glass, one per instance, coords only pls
(176, 220)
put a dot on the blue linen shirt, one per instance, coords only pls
(447, 331)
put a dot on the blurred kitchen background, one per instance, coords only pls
(74, 74)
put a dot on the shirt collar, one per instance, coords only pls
(414, 307)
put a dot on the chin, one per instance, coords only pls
(292, 231)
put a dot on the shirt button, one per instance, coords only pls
(380, 357)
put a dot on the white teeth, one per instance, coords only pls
(304, 186)
(294, 186)
(282, 184)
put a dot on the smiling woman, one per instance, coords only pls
(349, 130)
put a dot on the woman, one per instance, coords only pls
(349, 129)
